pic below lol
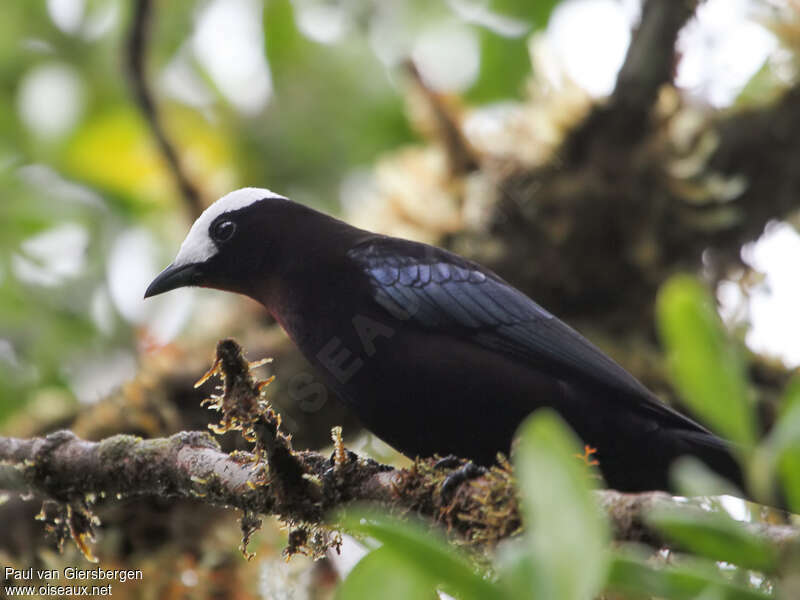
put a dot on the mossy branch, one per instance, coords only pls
(299, 487)
(69, 470)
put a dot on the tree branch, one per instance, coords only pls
(649, 63)
(628, 515)
(650, 60)
(460, 155)
(135, 60)
(300, 488)
(65, 468)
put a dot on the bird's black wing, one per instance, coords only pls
(438, 290)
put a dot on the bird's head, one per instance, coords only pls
(226, 244)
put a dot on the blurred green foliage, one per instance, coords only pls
(75, 148)
(566, 527)
(707, 368)
(505, 61)
(413, 549)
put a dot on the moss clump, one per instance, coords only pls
(478, 512)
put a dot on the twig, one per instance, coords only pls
(135, 59)
(460, 155)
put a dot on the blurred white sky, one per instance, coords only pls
(720, 50)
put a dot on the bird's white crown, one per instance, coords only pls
(198, 247)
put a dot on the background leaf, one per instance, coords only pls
(692, 477)
(780, 454)
(505, 59)
(706, 367)
(715, 535)
(422, 550)
(384, 570)
(630, 574)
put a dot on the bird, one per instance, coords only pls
(434, 353)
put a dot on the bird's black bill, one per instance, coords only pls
(174, 276)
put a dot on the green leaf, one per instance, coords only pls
(514, 569)
(566, 532)
(115, 152)
(692, 477)
(780, 453)
(790, 397)
(716, 536)
(706, 366)
(384, 570)
(505, 60)
(630, 574)
(424, 551)
(535, 12)
(505, 65)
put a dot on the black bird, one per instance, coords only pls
(433, 352)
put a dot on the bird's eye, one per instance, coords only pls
(223, 231)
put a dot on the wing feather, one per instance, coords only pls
(438, 290)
